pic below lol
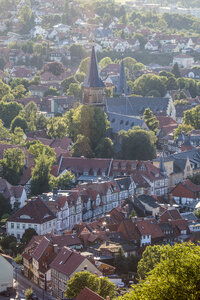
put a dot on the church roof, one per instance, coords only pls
(93, 79)
(136, 106)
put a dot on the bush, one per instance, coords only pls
(18, 259)
(29, 294)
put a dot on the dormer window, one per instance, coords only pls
(25, 217)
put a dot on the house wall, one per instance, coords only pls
(6, 274)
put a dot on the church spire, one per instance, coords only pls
(93, 79)
(122, 87)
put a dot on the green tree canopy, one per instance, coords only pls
(19, 122)
(37, 149)
(28, 234)
(8, 111)
(13, 165)
(40, 181)
(137, 144)
(150, 120)
(88, 121)
(84, 65)
(192, 117)
(17, 138)
(64, 181)
(176, 71)
(182, 128)
(5, 207)
(55, 67)
(174, 276)
(4, 133)
(102, 286)
(104, 62)
(56, 128)
(82, 147)
(67, 81)
(147, 83)
(75, 90)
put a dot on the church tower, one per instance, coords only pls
(93, 87)
(121, 87)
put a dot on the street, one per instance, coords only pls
(21, 284)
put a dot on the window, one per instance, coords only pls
(35, 227)
(18, 226)
(23, 226)
(12, 225)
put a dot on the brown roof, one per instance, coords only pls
(170, 214)
(44, 243)
(149, 227)
(87, 294)
(37, 212)
(67, 261)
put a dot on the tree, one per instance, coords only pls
(5, 207)
(107, 288)
(102, 286)
(129, 63)
(75, 90)
(147, 83)
(56, 128)
(4, 133)
(56, 68)
(66, 82)
(80, 77)
(82, 147)
(4, 89)
(133, 214)
(17, 138)
(77, 51)
(19, 92)
(104, 62)
(29, 293)
(182, 128)
(105, 148)
(28, 234)
(192, 117)
(174, 276)
(197, 213)
(20, 123)
(176, 71)
(40, 181)
(26, 17)
(79, 281)
(51, 92)
(38, 149)
(63, 182)
(150, 257)
(137, 144)
(12, 165)
(84, 65)
(7, 241)
(88, 121)
(150, 120)
(195, 178)
(18, 259)
(8, 111)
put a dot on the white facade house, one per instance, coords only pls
(35, 214)
(183, 60)
(6, 274)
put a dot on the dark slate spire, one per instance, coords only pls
(161, 166)
(93, 79)
(122, 87)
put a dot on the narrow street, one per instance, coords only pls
(21, 284)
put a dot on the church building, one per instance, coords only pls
(93, 87)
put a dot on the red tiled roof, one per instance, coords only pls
(149, 227)
(36, 210)
(67, 261)
(170, 214)
(41, 248)
(87, 294)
